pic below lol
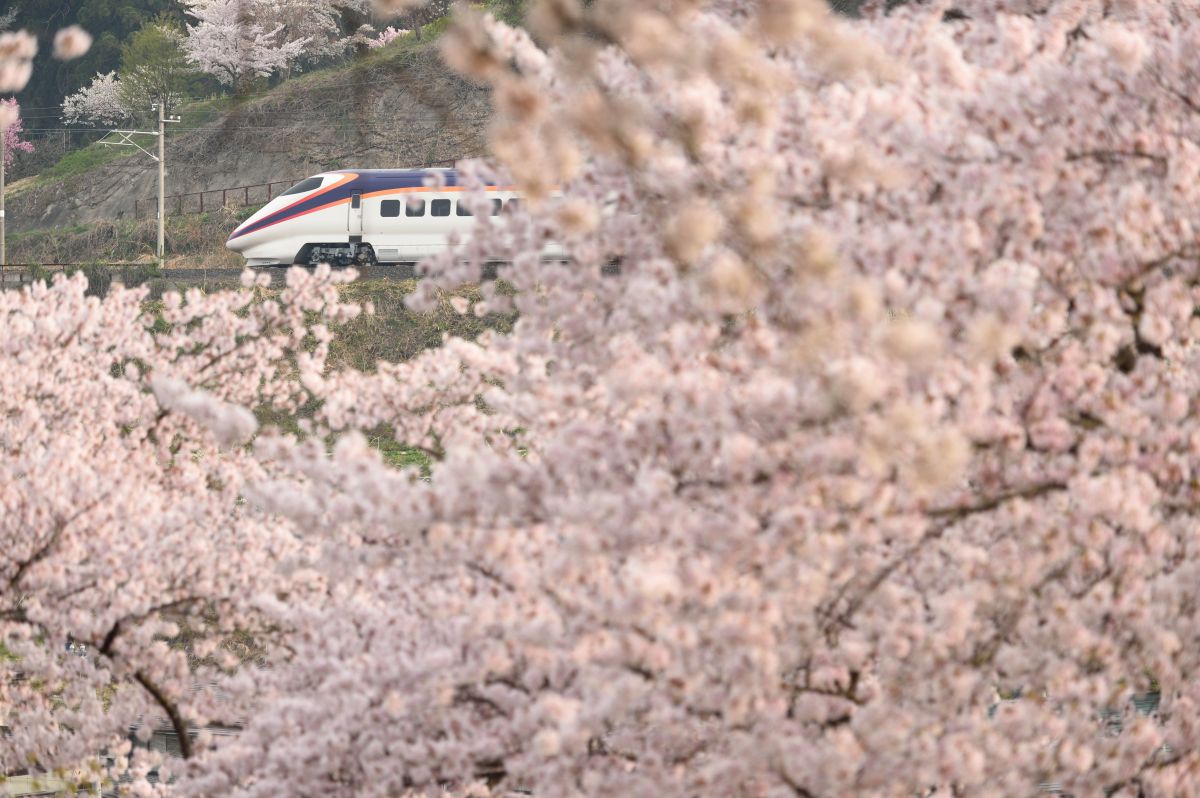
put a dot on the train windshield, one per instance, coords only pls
(304, 185)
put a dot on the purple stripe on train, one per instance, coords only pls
(365, 182)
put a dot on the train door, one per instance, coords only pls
(383, 227)
(354, 224)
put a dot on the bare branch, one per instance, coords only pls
(177, 722)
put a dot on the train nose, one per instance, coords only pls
(238, 239)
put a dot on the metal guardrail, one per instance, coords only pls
(45, 265)
(101, 277)
(195, 199)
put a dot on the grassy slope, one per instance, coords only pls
(394, 333)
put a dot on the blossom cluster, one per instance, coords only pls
(99, 102)
(17, 49)
(849, 455)
(121, 522)
(386, 36)
(233, 40)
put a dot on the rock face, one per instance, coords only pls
(406, 110)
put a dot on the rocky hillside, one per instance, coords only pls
(398, 106)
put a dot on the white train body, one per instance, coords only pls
(361, 216)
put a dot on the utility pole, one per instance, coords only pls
(3, 259)
(126, 140)
(162, 182)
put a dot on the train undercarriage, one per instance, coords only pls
(340, 254)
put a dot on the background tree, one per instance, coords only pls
(317, 23)
(102, 103)
(110, 22)
(238, 40)
(155, 68)
(10, 128)
(272, 37)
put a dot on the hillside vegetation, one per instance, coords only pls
(194, 240)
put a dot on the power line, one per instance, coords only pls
(349, 126)
(285, 85)
(272, 125)
(366, 127)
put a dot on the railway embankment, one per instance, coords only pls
(194, 241)
(396, 106)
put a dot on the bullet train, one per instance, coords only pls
(361, 216)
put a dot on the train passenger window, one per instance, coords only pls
(439, 207)
(512, 206)
(414, 208)
(496, 207)
(463, 210)
(304, 185)
(389, 208)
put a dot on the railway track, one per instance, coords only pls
(102, 275)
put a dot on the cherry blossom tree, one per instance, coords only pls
(10, 128)
(120, 469)
(234, 40)
(101, 102)
(853, 453)
(920, 519)
(316, 22)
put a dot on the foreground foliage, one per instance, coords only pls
(869, 470)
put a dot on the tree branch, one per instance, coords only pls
(46, 548)
(992, 502)
(1116, 156)
(110, 638)
(177, 721)
(948, 517)
(799, 790)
